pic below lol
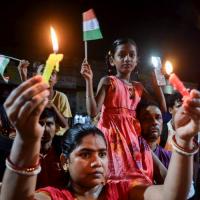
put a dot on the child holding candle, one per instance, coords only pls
(57, 100)
(60, 104)
(117, 98)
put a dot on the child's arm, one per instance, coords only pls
(160, 171)
(62, 120)
(23, 69)
(159, 96)
(93, 104)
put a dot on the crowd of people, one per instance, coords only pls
(130, 153)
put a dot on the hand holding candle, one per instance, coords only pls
(175, 81)
(53, 59)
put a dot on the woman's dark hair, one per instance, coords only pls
(73, 137)
(112, 51)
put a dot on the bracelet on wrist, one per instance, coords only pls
(182, 150)
(90, 96)
(27, 171)
(17, 167)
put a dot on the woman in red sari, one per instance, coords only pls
(85, 155)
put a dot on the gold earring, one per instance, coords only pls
(65, 167)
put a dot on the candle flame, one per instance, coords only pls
(168, 67)
(54, 39)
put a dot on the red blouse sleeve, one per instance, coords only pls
(57, 194)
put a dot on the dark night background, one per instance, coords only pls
(168, 28)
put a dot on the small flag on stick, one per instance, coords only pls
(8, 69)
(91, 29)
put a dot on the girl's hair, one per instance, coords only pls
(73, 137)
(112, 51)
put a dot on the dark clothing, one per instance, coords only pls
(164, 135)
(163, 155)
(197, 176)
(5, 147)
(51, 173)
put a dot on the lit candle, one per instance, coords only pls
(175, 81)
(53, 59)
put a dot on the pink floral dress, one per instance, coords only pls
(129, 155)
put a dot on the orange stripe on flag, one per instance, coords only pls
(88, 15)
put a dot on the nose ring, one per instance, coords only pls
(92, 164)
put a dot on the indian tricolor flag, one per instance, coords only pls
(91, 30)
(3, 64)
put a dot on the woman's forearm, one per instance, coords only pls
(17, 186)
(179, 175)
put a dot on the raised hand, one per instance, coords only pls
(86, 71)
(23, 69)
(24, 106)
(187, 119)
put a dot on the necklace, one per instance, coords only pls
(131, 89)
(131, 92)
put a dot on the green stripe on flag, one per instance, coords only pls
(92, 35)
(3, 64)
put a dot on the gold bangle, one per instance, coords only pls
(183, 151)
(30, 171)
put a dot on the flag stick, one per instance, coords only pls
(10, 57)
(86, 53)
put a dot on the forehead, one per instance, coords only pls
(93, 142)
(150, 110)
(48, 119)
(126, 47)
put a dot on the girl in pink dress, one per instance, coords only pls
(117, 98)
